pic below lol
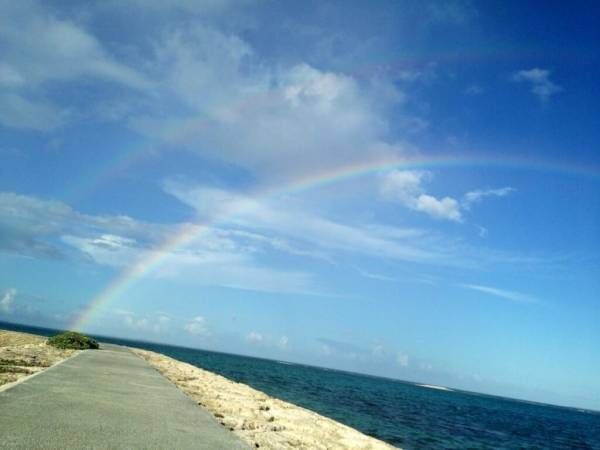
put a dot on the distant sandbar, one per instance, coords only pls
(433, 386)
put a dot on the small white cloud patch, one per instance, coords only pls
(7, 301)
(150, 323)
(472, 197)
(406, 187)
(445, 208)
(541, 85)
(402, 359)
(501, 293)
(283, 342)
(197, 326)
(255, 337)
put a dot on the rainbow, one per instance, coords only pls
(190, 231)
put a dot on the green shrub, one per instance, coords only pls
(72, 340)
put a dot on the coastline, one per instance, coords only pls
(258, 419)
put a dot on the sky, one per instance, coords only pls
(407, 189)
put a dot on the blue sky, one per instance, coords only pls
(122, 122)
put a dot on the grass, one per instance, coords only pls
(13, 369)
(21, 362)
(11, 338)
(73, 340)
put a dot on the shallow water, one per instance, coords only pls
(403, 414)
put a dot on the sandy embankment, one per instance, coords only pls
(23, 354)
(260, 420)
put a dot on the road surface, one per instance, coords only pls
(105, 399)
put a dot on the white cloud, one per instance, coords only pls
(283, 342)
(501, 293)
(39, 48)
(273, 218)
(275, 121)
(204, 8)
(444, 208)
(402, 359)
(162, 323)
(25, 222)
(9, 77)
(482, 231)
(476, 196)
(200, 261)
(34, 227)
(474, 89)
(255, 337)
(406, 187)
(326, 349)
(197, 326)
(116, 251)
(157, 324)
(374, 276)
(7, 301)
(344, 350)
(541, 85)
(233, 252)
(18, 112)
(378, 350)
(454, 12)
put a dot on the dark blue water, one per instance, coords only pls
(403, 414)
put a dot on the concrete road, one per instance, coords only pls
(106, 399)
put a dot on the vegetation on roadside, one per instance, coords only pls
(73, 340)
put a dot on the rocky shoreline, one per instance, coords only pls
(260, 420)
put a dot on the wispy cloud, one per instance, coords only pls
(33, 227)
(376, 354)
(342, 349)
(283, 342)
(22, 307)
(40, 48)
(237, 253)
(472, 197)
(374, 276)
(500, 293)
(7, 301)
(539, 79)
(303, 227)
(402, 359)
(255, 337)
(154, 323)
(474, 89)
(197, 326)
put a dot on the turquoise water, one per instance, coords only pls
(403, 414)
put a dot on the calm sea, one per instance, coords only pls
(403, 414)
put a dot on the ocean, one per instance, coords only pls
(403, 414)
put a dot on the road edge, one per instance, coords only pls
(12, 384)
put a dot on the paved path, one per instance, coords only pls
(105, 399)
